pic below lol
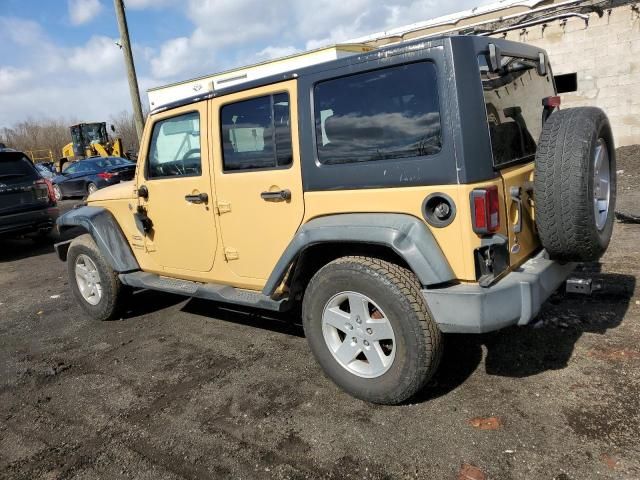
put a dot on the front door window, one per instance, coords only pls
(175, 147)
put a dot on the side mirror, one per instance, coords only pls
(113, 129)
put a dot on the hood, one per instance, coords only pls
(119, 191)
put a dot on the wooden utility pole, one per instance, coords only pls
(125, 45)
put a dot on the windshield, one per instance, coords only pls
(94, 133)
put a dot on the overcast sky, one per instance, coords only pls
(58, 58)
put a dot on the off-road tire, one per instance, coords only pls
(397, 291)
(114, 292)
(563, 185)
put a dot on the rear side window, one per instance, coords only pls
(513, 99)
(256, 133)
(16, 168)
(378, 115)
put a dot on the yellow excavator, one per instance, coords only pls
(91, 140)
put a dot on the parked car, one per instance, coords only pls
(27, 200)
(427, 187)
(45, 171)
(86, 176)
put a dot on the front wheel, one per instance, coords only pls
(368, 326)
(94, 284)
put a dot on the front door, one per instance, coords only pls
(178, 200)
(257, 177)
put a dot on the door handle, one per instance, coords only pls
(278, 196)
(197, 198)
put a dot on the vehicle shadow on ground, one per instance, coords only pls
(547, 344)
(286, 323)
(144, 302)
(26, 246)
(13, 249)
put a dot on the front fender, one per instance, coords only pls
(409, 237)
(105, 231)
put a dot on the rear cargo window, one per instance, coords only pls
(16, 168)
(378, 115)
(513, 100)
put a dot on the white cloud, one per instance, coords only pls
(83, 11)
(141, 4)
(20, 31)
(269, 53)
(45, 77)
(174, 57)
(245, 31)
(100, 56)
(11, 78)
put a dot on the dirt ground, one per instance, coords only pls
(187, 389)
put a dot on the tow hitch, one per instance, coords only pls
(584, 286)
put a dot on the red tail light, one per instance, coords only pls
(45, 184)
(106, 175)
(485, 210)
(551, 102)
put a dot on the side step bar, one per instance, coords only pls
(209, 291)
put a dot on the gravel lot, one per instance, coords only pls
(188, 389)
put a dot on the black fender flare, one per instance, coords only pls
(408, 236)
(105, 231)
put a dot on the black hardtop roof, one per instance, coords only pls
(394, 49)
(476, 41)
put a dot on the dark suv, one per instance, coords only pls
(27, 202)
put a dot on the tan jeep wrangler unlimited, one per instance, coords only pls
(429, 187)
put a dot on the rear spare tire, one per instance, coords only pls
(575, 184)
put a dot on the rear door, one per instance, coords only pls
(513, 100)
(19, 191)
(257, 176)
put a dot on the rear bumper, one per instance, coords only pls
(27, 222)
(514, 300)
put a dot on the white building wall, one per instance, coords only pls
(606, 57)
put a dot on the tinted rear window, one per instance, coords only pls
(513, 99)
(378, 115)
(15, 167)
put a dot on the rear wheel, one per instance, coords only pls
(575, 184)
(93, 282)
(368, 326)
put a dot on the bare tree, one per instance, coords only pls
(37, 135)
(53, 134)
(125, 126)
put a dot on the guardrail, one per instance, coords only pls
(42, 155)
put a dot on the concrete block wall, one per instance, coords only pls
(606, 57)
